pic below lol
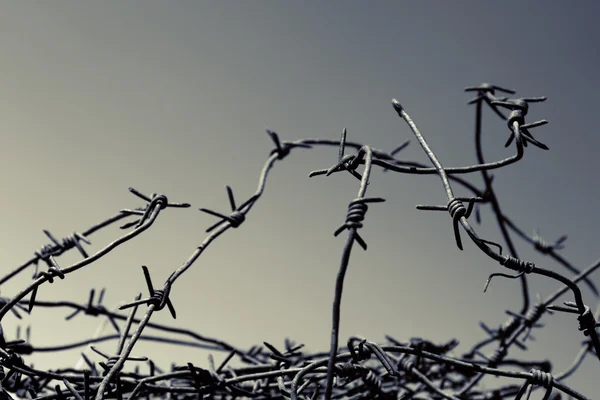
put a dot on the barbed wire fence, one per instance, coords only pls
(414, 369)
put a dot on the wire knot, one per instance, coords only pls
(545, 247)
(109, 364)
(515, 264)
(361, 352)
(20, 346)
(587, 322)
(541, 378)
(236, 217)
(499, 354)
(530, 319)
(534, 314)
(282, 150)
(59, 247)
(159, 298)
(519, 108)
(51, 274)
(13, 360)
(53, 271)
(73, 241)
(457, 210)
(345, 162)
(357, 210)
(538, 378)
(356, 214)
(542, 246)
(406, 363)
(487, 92)
(45, 252)
(11, 380)
(111, 361)
(160, 200)
(510, 262)
(92, 310)
(372, 380)
(154, 200)
(516, 116)
(508, 327)
(486, 87)
(348, 370)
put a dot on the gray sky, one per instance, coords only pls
(174, 98)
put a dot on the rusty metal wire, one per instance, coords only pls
(416, 369)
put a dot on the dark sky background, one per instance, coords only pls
(174, 98)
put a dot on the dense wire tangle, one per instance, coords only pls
(416, 369)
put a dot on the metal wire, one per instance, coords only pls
(418, 369)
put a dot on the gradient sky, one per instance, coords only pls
(174, 98)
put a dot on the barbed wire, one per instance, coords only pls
(417, 369)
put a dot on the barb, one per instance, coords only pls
(158, 298)
(550, 250)
(156, 204)
(236, 217)
(457, 210)
(519, 108)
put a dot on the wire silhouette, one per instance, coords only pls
(416, 369)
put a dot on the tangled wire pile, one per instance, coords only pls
(417, 369)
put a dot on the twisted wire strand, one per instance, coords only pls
(86, 261)
(538, 378)
(487, 95)
(515, 121)
(353, 222)
(551, 252)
